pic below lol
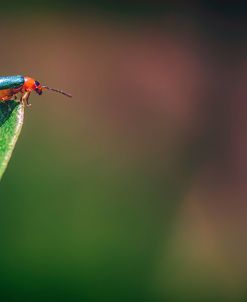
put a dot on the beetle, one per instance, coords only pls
(10, 86)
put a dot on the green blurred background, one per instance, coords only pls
(135, 189)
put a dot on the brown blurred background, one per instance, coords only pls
(135, 189)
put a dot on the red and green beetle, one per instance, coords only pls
(10, 86)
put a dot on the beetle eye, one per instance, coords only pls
(37, 83)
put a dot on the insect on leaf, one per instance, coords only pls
(11, 120)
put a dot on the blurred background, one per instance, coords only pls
(134, 189)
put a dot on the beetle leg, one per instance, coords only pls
(14, 97)
(27, 102)
(25, 97)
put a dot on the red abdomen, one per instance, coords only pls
(7, 94)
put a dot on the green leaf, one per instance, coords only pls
(11, 120)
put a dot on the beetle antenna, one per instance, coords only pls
(59, 91)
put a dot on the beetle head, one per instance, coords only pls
(33, 85)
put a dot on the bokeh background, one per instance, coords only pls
(135, 189)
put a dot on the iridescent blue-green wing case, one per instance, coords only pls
(11, 82)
